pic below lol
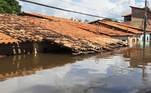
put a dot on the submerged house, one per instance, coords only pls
(134, 36)
(34, 33)
(133, 24)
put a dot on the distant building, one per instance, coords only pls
(136, 19)
(127, 18)
(132, 26)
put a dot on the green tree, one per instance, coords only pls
(10, 6)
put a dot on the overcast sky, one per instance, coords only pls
(106, 8)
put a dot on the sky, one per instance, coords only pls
(106, 8)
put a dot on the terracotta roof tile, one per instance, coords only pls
(100, 29)
(137, 26)
(123, 27)
(63, 26)
(84, 26)
(7, 39)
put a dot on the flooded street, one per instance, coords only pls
(128, 71)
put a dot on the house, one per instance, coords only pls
(136, 19)
(133, 24)
(121, 27)
(39, 33)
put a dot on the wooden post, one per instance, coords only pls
(145, 24)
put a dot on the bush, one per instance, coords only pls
(10, 6)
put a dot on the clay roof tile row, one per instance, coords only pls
(123, 27)
(31, 26)
(5, 39)
(84, 26)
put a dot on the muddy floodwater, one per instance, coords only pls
(126, 71)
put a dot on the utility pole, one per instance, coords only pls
(145, 24)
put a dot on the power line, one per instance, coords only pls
(88, 8)
(66, 10)
(110, 11)
(78, 4)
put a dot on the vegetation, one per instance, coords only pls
(10, 6)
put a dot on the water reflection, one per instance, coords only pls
(28, 64)
(128, 71)
(139, 58)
